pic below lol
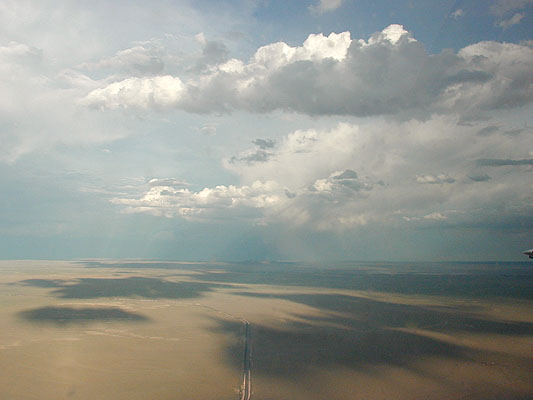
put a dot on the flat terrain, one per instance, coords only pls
(155, 330)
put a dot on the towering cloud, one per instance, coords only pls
(379, 173)
(389, 74)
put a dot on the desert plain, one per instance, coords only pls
(97, 329)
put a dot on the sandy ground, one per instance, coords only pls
(97, 330)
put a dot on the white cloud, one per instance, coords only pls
(336, 75)
(458, 13)
(436, 216)
(37, 105)
(20, 54)
(340, 183)
(220, 202)
(355, 175)
(321, 205)
(137, 60)
(392, 34)
(509, 66)
(502, 7)
(324, 6)
(321, 152)
(209, 129)
(53, 53)
(141, 93)
(73, 33)
(514, 20)
(167, 182)
(441, 178)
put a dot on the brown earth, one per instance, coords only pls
(133, 330)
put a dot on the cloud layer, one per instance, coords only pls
(380, 173)
(37, 105)
(389, 74)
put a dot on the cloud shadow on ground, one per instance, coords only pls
(297, 352)
(151, 288)
(296, 349)
(360, 333)
(68, 315)
(469, 280)
(435, 279)
(368, 314)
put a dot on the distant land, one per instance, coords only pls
(177, 330)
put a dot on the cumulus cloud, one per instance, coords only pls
(431, 179)
(302, 156)
(320, 205)
(157, 92)
(509, 65)
(167, 182)
(355, 175)
(337, 75)
(220, 202)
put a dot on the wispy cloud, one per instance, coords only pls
(431, 179)
(514, 20)
(324, 6)
(500, 162)
(479, 177)
(502, 7)
(458, 13)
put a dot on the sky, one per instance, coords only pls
(318, 130)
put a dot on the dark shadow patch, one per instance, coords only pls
(42, 283)
(463, 279)
(152, 288)
(360, 333)
(368, 314)
(300, 348)
(297, 351)
(68, 315)
(513, 280)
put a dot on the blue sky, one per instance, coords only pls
(256, 129)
